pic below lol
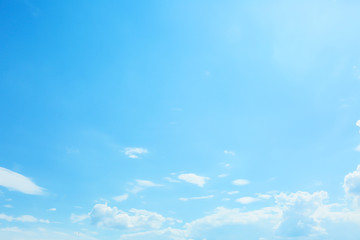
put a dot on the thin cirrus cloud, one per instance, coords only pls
(121, 198)
(240, 182)
(196, 198)
(140, 185)
(24, 219)
(228, 152)
(193, 179)
(17, 182)
(247, 200)
(134, 152)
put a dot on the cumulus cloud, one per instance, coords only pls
(17, 182)
(121, 198)
(352, 182)
(24, 219)
(240, 182)
(196, 198)
(132, 152)
(299, 214)
(193, 179)
(218, 218)
(246, 200)
(111, 217)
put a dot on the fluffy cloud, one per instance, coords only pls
(121, 197)
(24, 219)
(193, 178)
(111, 217)
(135, 152)
(218, 218)
(352, 182)
(240, 182)
(17, 182)
(299, 218)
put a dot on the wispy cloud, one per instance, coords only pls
(74, 218)
(233, 192)
(228, 152)
(196, 198)
(134, 152)
(24, 218)
(169, 179)
(140, 185)
(194, 179)
(223, 175)
(17, 182)
(240, 182)
(247, 200)
(121, 198)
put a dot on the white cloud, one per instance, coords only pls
(17, 182)
(358, 123)
(233, 192)
(263, 196)
(357, 148)
(121, 198)
(52, 209)
(352, 182)
(140, 185)
(196, 198)
(240, 182)
(218, 218)
(229, 152)
(299, 214)
(246, 200)
(132, 152)
(8, 206)
(222, 175)
(111, 217)
(24, 218)
(146, 183)
(193, 179)
(169, 179)
(78, 218)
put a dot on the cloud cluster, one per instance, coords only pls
(111, 217)
(299, 217)
(17, 182)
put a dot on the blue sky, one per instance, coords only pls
(179, 120)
